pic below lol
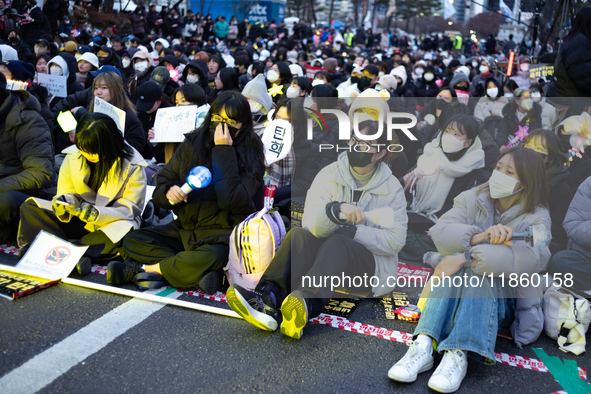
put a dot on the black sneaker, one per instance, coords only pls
(255, 307)
(211, 282)
(295, 315)
(84, 265)
(120, 272)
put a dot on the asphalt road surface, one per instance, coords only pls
(68, 339)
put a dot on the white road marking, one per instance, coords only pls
(44, 368)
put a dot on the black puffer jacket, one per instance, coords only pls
(26, 151)
(572, 69)
(559, 199)
(533, 120)
(212, 212)
(202, 71)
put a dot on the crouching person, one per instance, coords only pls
(191, 251)
(328, 246)
(100, 192)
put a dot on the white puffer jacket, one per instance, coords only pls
(335, 183)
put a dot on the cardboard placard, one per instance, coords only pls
(172, 123)
(537, 71)
(118, 115)
(51, 255)
(55, 84)
(16, 285)
(16, 85)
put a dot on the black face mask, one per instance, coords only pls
(233, 130)
(354, 79)
(359, 159)
(441, 104)
(462, 88)
(13, 40)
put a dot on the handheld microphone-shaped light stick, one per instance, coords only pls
(383, 217)
(198, 178)
(536, 236)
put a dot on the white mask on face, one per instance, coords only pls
(419, 71)
(474, 64)
(126, 62)
(508, 95)
(272, 76)
(536, 96)
(429, 77)
(450, 144)
(492, 92)
(56, 70)
(524, 67)
(192, 78)
(308, 102)
(317, 82)
(140, 66)
(527, 104)
(502, 185)
(483, 69)
(254, 106)
(293, 92)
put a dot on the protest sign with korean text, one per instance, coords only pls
(171, 124)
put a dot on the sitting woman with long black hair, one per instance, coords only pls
(192, 250)
(100, 192)
(476, 238)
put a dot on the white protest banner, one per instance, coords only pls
(51, 255)
(112, 112)
(277, 140)
(55, 84)
(171, 124)
(16, 85)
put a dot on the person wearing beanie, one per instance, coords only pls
(331, 64)
(142, 65)
(17, 70)
(26, 157)
(521, 112)
(260, 102)
(487, 69)
(371, 102)
(388, 82)
(71, 47)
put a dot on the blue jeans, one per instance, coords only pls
(467, 317)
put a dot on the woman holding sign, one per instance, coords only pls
(191, 251)
(100, 191)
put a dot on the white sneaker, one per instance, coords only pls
(415, 361)
(451, 371)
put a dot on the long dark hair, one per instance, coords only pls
(531, 172)
(582, 24)
(97, 133)
(229, 79)
(249, 148)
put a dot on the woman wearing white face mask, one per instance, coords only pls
(260, 102)
(196, 73)
(521, 113)
(487, 69)
(418, 69)
(298, 87)
(64, 65)
(278, 76)
(492, 103)
(143, 67)
(548, 110)
(450, 164)
(475, 238)
(521, 74)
